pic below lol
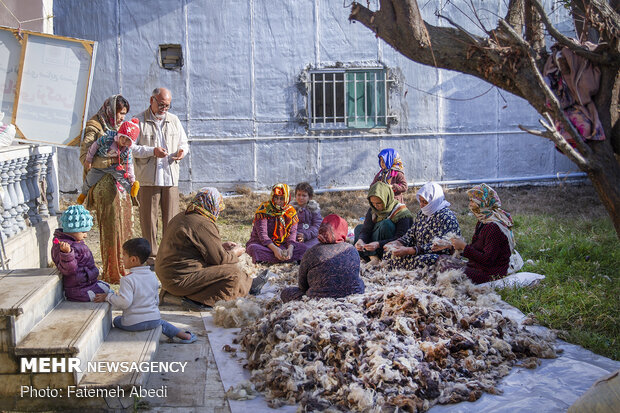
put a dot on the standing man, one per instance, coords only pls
(160, 147)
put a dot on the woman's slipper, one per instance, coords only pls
(190, 340)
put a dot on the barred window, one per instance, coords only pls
(348, 98)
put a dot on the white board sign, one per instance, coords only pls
(51, 93)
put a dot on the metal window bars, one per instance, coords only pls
(348, 98)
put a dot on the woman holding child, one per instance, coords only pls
(434, 222)
(192, 261)
(113, 208)
(274, 230)
(386, 220)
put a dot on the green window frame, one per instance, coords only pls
(348, 99)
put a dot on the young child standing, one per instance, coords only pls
(74, 259)
(113, 145)
(138, 297)
(392, 173)
(309, 213)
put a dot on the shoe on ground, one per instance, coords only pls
(259, 282)
(190, 340)
(192, 305)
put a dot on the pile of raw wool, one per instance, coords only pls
(236, 313)
(411, 341)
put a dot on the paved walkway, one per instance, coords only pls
(199, 388)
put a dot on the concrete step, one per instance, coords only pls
(123, 346)
(71, 329)
(26, 296)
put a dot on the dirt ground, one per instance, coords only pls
(569, 200)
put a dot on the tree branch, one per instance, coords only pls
(549, 95)
(534, 33)
(600, 58)
(514, 15)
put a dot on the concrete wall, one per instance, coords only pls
(240, 99)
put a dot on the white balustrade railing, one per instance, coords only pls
(28, 187)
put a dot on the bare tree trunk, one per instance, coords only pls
(606, 180)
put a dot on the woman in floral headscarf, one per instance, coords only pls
(392, 173)
(329, 269)
(192, 262)
(112, 208)
(489, 253)
(274, 229)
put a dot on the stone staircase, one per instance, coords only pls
(36, 323)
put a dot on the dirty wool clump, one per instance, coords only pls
(413, 340)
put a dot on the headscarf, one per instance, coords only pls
(333, 229)
(392, 208)
(433, 194)
(285, 216)
(107, 114)
(488, 209)
(208, 202)
(393, 164)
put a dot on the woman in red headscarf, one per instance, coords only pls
(274, 230)
(329, 269)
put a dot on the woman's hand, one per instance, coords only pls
(458, 244)
(371, 246)
(238, 250)
(300, 237)
(289, 251)
(229, 245)
(440, 247)
(100, 298)
(401, 251)
(392, 244)
(359, 245)
(88, 165)
(64, 246)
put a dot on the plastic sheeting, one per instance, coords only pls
(551, 387)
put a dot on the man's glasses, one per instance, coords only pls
(162, 105)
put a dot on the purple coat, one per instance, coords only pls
(78, 269)
(309, 222)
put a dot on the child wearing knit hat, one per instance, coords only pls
(116, 146)
(74, 259)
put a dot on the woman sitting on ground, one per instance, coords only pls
(386, 221)
(329, 269)
(192, 261)
(491, 246)
(434, 221)
(274, 230)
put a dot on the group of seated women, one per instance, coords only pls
(193, 262)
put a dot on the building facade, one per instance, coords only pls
(291, 91)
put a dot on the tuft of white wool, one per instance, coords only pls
(237, 313)
(361, 397)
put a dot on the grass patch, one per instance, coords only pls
(580, 296)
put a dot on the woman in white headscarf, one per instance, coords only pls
(435, 221)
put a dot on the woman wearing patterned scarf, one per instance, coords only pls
(492, 245)
(435, 220)
(392, 173)
(193, 262)
(274, 230)
(329, 269)
(386, 220)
